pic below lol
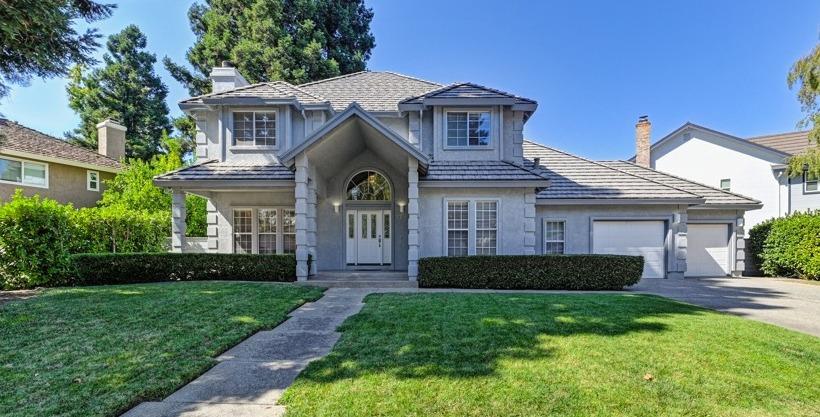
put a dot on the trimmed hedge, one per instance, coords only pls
(757, 239)
(127, 268)
(541, 272)
(792, 247)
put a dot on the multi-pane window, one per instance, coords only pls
(264, 230)
(386, 225)
(267, 222)
(553, 237)
(810, 183)
(486, 227)
(458, 223)
(726, 184)
(243, 231)
(468, 128)
(23, 172)
(93, 180)
(254, 128)
(289, 231)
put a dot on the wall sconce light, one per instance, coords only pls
(401, 206)
(336, 206)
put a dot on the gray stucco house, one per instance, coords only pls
(375, 170)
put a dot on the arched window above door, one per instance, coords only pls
(369, 186)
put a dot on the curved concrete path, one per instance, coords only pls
(251, 377)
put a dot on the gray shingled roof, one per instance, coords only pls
(713, 196)
(267, 90)
(479, 171)
(377, 91)
(233, 170)
(573, 177)
(466, 90)
(790, 143)
(24, 139)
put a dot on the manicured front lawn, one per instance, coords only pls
(97, 351)
(557, 355)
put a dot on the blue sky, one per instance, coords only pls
(593, 67)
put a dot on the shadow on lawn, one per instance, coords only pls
(466, 335)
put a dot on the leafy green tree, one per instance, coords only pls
(38, 37)
(292, 40)
(126, 89)
(805, 73)
(134, 189)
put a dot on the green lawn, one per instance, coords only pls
(557, 355)
(97, 351)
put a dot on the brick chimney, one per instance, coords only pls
(111, 139)
(226, 77)
(642, 136)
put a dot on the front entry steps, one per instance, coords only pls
(360, 279)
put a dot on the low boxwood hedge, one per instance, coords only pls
(542, 272)
(126, 268)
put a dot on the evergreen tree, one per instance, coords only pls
(805, 73)
(126, 89)
(37, 37)
(292, 40)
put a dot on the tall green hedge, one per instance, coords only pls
(792, 247)
(126, 268)
(37, 236)
(545, 272)
(755, 242)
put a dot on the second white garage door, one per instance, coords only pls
(641, 238)
(708, 250)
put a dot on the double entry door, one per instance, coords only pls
(369, 236)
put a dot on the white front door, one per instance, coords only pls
(369, 237)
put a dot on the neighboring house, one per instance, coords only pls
(374, 170)
(754, 167)
(44, 165)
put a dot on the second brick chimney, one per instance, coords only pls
(642, 136)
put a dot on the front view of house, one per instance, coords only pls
(375, 170)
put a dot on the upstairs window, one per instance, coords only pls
(254, 128)
(92, 180)
(467, 129)
(24, 172)
(726, 184)
(810, 183)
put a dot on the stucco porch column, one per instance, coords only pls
(178, 226)
(679, 227)
(412, 219)
(301, 194)
(740, 246)
(311, 226)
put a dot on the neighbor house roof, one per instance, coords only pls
(276, 90)
(572, 177)
(375, 91)
(25, 142)
(479, 171)
(248, 172)
(789, 143)
(712, 195)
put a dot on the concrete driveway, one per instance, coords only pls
(788, 303)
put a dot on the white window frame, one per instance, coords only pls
(728, 189)
(447, 228)
(280, 223)
(806, 182)
(88, 175)
(23, 172)
(491, 139)
(475, 226)
(277, 129)
(471, 223)
(544, 239)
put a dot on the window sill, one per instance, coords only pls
(20, 184)
(235, 148)
(469, 148)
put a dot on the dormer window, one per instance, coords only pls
(468, 128)
(254, 128)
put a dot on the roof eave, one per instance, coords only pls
(62, 161)
(187, 184)
(483, 183)
(617, 201)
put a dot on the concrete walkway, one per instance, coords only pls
(784, 302)
(251, 377)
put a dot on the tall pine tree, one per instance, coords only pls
(126, 89)
(292, 40)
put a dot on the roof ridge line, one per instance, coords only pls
(63, 141)
(683, 179)
(612, 168)
(793, 132)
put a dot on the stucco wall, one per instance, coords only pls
(66, 184)
(800, 200)
(708, 158)
(432, 217)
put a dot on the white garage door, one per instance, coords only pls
(708, 250)
(640, 238)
